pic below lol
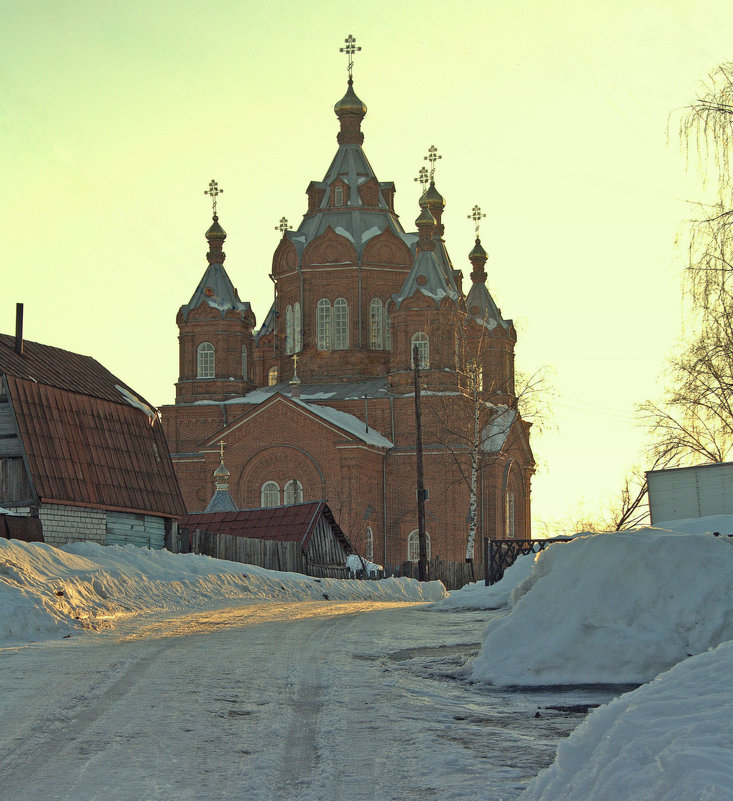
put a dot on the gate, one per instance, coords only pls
(503, 554)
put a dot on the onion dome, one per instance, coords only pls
(426, 221)
(424, 200)
(478, 259)
(350, 103)
(215, 237)
(434, 199)
(221, 474)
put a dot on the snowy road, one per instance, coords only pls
(312, 700)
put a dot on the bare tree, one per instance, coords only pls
(694, 420)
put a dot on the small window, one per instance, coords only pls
(293, 492)
(205, 361)
(244, 362)
(289, 328)
(338, 196)
(323, 324)
(376, 318)
(272, 377)
(298, 324)
(423, 350)
(340, 324)
(270, 494)
(369, 550)
(413, 546)
(387, 329)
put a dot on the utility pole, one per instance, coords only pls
(422, 564)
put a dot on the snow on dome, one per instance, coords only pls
(612, 608)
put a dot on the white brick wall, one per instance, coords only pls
(73, 523)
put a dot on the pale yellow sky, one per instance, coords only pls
(552, 116)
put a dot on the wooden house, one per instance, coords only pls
(81, 451)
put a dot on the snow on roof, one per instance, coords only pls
(349, 423)
(495, 433)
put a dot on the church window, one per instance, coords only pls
(423, 350)
(289, 330)
(510, 532)
(272, 377)
(205, 360)
(387, 329)
(323, 324)
(369, 549)
(375, 324)
(338, 196)
(244, 362)
(293, 492)
(340, 324)
(270, 494)
(413, 546)
(298, 325)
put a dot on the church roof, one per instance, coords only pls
(216, 289)
(481, 307)
(221, 501)
(426, 276)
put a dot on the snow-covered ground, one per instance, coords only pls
(127, 673)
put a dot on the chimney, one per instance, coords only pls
(19, 328)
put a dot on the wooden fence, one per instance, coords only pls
(454, 575)
(270, 554)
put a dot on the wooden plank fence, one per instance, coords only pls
(270, 554)
(454, 575)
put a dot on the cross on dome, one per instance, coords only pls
(422, 178)
(432, 157)
(350, 49)
(476, 215)
(221, 449)
(282, 226)
(214, 191)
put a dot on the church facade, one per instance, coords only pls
(318, 403)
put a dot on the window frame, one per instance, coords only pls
(205, 360)
(421, 339)
(269, 487)
(413, 546)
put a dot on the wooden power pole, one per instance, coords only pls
(422, 564)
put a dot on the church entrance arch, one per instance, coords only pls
(283, 465)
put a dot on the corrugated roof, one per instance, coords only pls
(88, 448)
(294, 523)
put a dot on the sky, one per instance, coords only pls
(559, 119)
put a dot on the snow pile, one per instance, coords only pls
(666, 741)
(496, 596)
(612, 608)
(47, 592)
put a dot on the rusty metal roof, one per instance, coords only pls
(294, 523)
(85, 443)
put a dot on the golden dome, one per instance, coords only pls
(425, 220)
(434, 199)
(350, 103)
(478, 253)
(216, 231)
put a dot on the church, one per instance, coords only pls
(318, 403)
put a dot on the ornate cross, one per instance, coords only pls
(282, 226)
(350, 49)
(221, 450)
(422, 177)
(295, 365)
(476, 215)
(214, 191)
(432, 157)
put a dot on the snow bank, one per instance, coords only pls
(612, 608)
(497, 596)
(667, 741)
(49, 592)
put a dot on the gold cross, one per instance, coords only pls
(214, 191)
(476, 215)
(282, 226)
(422, 177)
(432, 157)
(221, 450)
(295, 365)
(350, 49)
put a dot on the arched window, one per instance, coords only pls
(413, 546)
(289, 330)
(510, 531)
(338, 196)
(423, 350)
(323, 324)
(387, 329)
(205, 360)
(340, 324)
(293, 492)
(375, 324)
(244, 362)
(272, 377)
(369, 550)
(270, 494)
(298, 324)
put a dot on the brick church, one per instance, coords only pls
(318, 402)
